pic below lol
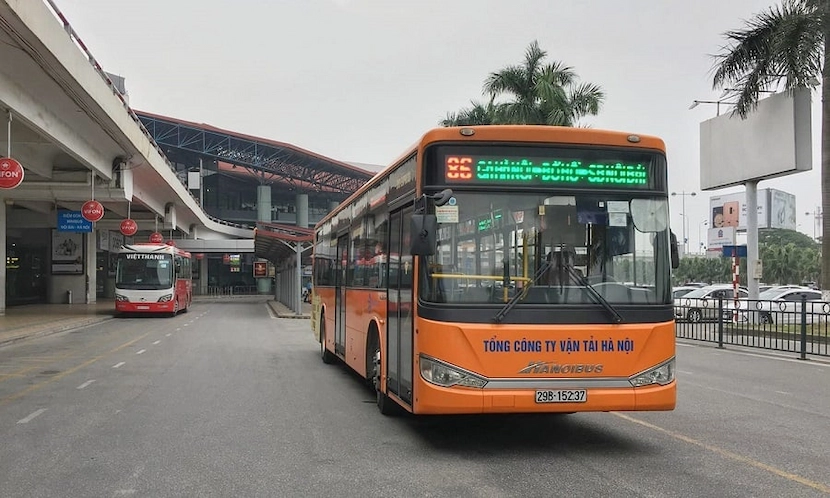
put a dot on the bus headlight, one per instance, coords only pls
(445, 375)
(119, 297)
(662, 374)
(164, 299)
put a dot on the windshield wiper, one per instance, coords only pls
(595, 294)
(518, 295)
(576, 276)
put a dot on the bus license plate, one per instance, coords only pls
(142, 307)
(562, 396)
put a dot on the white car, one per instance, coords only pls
(783, 306)
(702, 304)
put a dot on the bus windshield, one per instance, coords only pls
(144, 271)
(550, 248)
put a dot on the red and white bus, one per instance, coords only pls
(153, 278)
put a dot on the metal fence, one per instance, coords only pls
(801, 327)
(231, 290)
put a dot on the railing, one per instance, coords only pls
(73, 36)
(801, 327)
(231, 290)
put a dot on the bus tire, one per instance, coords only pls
(326, 355)
(373, 368)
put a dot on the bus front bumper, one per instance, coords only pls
(139, 307)
(432, 399)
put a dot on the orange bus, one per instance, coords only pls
(505, 269)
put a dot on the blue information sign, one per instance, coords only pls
(72, 221)
(728, 251)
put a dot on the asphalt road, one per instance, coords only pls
(228, 401)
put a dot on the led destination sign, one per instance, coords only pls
(612, 173)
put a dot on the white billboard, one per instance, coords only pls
(719, 237)
(774, 140)
(776, 209)
(782, 210)
(729, 210)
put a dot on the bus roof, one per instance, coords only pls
(531, 134)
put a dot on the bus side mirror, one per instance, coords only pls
(675, 253)
(423, 232)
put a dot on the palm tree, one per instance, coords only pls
(478, 114)
(537, 93)
(784, 46)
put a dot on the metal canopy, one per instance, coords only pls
(276, 242)
(279, 161)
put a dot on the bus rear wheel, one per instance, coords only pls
(326, 355)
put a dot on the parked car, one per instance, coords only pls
(783, 306)
(702, 304)
(682, 291)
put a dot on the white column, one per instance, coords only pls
(752, 238)
(2, 258)
(91, 267)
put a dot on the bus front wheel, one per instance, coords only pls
(373, 370)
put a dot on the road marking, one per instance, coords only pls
(85, 384)
(156, 343)
(783, 392)
(186, 324)
(125, 492)
(729, 454)
(31, 416)
(141, 351)
(685, 372)
(178, 329)
(63, 374)
(166, 335)
(119, 365)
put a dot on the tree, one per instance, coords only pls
(535, 93)
(478, 114)
(783, 46)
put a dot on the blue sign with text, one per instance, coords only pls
(72, 221)
(738, 251)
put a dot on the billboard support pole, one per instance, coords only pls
(752, 237)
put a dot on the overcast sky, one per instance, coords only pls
(361, 80)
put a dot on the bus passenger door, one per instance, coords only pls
(340, 284)
(399, 303)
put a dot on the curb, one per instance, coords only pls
(281, 313)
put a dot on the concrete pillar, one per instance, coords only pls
(203, 275)
(263, 207)
(91, 269)
(3, 258)
(263, 203)
(301, 202)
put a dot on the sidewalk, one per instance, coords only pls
(35, 320)
(283, 311)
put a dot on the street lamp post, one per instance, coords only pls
(816, 220)
(699, 239)
(683, 195)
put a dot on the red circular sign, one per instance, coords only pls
(156, 238)
(129, 227)
(92, 211)
(171, 243)
(11, 173)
